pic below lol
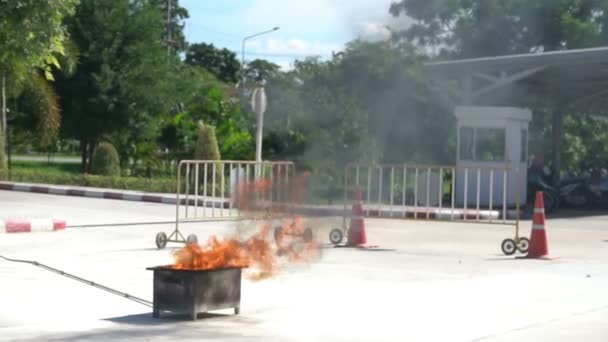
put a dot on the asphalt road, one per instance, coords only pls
(429, 281)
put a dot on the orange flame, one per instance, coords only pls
(217, 254)
(294, 241)
(256, 253)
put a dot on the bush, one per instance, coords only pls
(206, 144)
(105, 160)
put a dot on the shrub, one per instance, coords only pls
(163, 185)
(105, 161)
(207, 149)
(206, 144)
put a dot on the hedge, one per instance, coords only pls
(163, 185)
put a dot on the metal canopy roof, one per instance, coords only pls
(565, 78)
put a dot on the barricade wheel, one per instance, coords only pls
(192, 239)
(508, 246)
(336, 236)
(161, 240)
(523, 245)
(308, 235)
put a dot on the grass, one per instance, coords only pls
(17, 165)
(45, 155)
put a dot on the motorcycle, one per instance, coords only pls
(589, 189)
(574, 190)
(598, 186)
(538, 180)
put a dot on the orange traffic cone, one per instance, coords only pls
(539, 248)
(356, 230)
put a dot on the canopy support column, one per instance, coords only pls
(558, 120)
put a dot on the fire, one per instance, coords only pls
(255, 253)
(262, 252)
(217, 254)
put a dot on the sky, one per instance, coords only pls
(307, 27)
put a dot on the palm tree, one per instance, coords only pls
(35, 101)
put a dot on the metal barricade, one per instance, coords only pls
(211, 189)
(437, 192)
(223, 190)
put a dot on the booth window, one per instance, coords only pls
(482, 144)
(467, 143)
(490, 144)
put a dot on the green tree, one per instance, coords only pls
(478, 28)
(173, 32)
(316, 122)
(260, 70)
(31, 40)
(585, 140)
(220, 62)
(203, 98)
(32, 34)
(120, 84)
(375, 91)
(387, 80)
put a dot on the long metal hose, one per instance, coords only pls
(82, 280)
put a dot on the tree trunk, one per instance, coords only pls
(4, 130)
(134, 166)
(8, 150)
(90, 150)
(83, 156)
(86, 155)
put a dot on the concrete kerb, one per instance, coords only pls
(112, 194)
(224, 203)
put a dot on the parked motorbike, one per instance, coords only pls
(574, 191)
(598, 185)
(538, 180)
(587, 189)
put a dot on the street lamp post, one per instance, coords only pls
(258, 147)
(259, 105)
(243, 55)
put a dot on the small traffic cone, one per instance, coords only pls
(356, 230)
(539, 247)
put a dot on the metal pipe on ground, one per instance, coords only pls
(82, 280)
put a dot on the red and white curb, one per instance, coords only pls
(410, 212)
(31, 225)
(116, 195)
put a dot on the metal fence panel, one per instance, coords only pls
(435, 192)
(212, 189)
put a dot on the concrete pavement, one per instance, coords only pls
(430, 282)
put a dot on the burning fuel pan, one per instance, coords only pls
(195, 291)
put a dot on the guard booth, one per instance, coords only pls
(491, 167)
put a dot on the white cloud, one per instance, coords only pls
(327, 20)
(372, 31)
(285, 65)
(292, 47)
(307, 28)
